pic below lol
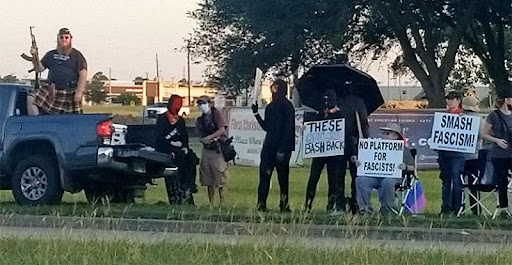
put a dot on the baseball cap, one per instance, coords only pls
(64, 31)
(203, 99)
(470, 103)
(392, 127)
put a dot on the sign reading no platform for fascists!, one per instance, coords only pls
(457, 133)
(324, 138)
(380, 158)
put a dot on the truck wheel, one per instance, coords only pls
(36, 181)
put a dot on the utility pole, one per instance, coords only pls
(110, 85)
(157, 79)
(188, 74)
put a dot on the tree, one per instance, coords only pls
(9, 79)
(236, 36)
(128, 98)
(428, 44)
(96, 92)
(489, 36)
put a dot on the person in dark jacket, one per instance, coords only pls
(278, 145)
(353, 109)
(336, 194)
(172, 138)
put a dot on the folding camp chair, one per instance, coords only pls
(477, 178)
(406, 187)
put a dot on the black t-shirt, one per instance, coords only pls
(63, 70)
(165, 132)
(500, 131)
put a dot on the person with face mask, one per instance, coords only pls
(279, 124)
(67, 74)
(451, 165)
(335, 197)
(171, 137)
(498, 131)
(211, 129)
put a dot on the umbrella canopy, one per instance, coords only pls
(344, 79)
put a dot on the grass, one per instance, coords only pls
(240, 205)
(134, 111)
(58, 251)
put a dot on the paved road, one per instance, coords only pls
(158, 237)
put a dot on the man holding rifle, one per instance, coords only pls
(67, 73)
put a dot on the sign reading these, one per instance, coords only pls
(380, 158)
(324, 138)
(457, 133)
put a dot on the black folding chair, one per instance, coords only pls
(408, 182)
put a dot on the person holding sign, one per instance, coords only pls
(336, 194)
(451, 164)
(384, 185)
(498, 130)
(278, 145)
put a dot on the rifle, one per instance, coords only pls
(34, 59)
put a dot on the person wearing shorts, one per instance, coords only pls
(211, 129)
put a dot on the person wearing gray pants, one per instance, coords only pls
(384, 186)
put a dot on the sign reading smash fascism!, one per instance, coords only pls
(324, 138)
(380, 158)
(457, 133)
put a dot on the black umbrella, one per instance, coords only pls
(344, 79)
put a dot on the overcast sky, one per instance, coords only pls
(124, 35)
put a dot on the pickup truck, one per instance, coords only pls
(43, 156)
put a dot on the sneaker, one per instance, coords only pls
(337, 213)
(262, 208)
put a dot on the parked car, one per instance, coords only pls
(158, 108)
(43, 156)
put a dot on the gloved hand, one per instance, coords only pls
(280, 157)
(185, 150)
(176, 143)
(254, 107)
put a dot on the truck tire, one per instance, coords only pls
(101, 194)
(36, 181)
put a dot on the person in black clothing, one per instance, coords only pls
(336, 194)
(353, 109)
(278, 145)
(172, 137)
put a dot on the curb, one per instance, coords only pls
(261, 229)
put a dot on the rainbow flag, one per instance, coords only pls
(415, 202)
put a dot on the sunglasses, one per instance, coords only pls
(65, 37)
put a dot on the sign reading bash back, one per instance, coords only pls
(324, 138)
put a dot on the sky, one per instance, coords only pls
(121, 35)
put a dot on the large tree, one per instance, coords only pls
(489, 36)
(428, 45)
(237, 36)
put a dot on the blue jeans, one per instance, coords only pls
(451, 168)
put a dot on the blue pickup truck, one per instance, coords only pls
(41, 157)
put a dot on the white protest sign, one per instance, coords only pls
(380, 158)
(324, 138)
(257, 86)
(248, 136)
(457, 133)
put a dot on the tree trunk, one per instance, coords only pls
(435, 95)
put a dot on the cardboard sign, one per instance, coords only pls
(256, 93)
(380, 158)
(457, 133)
(248, 136)
(324, 138)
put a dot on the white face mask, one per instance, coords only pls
(204, 108)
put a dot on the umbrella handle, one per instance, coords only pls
(359, 129)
